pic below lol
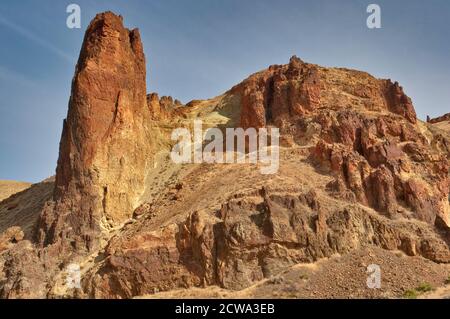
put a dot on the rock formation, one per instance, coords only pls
(104, 149)
(365, 130)
(445, 117)
(161, 108)
(255, 236)
(285, 92)
(358, 172)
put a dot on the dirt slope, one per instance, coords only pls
(8, 188)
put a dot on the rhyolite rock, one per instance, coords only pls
(384, 173)
(445, 117)
(252, 237)
(105, 144)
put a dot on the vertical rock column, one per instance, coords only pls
(105, 145)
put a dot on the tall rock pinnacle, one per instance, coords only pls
(105, 140)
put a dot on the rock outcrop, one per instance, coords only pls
(279, 93)
(105, 144)
(445, 117)
(162, 108)
(364, 130)
(252, 237)
(284, 93)
(11, 236)
(387, 166)
(22, 273)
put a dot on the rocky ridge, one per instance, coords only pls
(358, 171)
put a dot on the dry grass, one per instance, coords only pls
(23, 208)
(445, 126)
(8, 188)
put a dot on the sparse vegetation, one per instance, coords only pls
(447, 282)
(411, 294)
(424, 287)
(421, 289)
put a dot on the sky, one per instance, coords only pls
(198, 49)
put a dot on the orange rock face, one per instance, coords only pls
(283, 93)
(365, 130)
(104, 147)
(279, 93)
(162, 108)
(398, 102)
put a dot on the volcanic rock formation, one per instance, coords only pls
(361, 140)
(445, 117)
(104, 149)
(359, 175)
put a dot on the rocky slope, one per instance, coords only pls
(8, 188)
(361, 180)
(442, 124)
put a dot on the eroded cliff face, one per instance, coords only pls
(284, 93)
(105, 144)
(358, 171)
(362, 130)
(252, 237)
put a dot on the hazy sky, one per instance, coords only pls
(200, 48)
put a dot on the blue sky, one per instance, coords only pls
(200, 48)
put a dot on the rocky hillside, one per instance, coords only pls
(361, 181)
(8, 188)
(442, 123)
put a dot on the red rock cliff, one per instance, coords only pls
(105, 143)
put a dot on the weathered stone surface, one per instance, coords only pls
(254, 237)
(275, 95)
(385, 165)
(283, 93)
(11, 236)
(398, 102)
(105, 143)
(162, 108)
(443, 118)
(367, 172)
(23, 273)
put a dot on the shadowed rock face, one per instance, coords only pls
(105, 142)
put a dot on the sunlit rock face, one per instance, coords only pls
(105, 141)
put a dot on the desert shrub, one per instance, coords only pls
(411, 294)
(424, 287)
